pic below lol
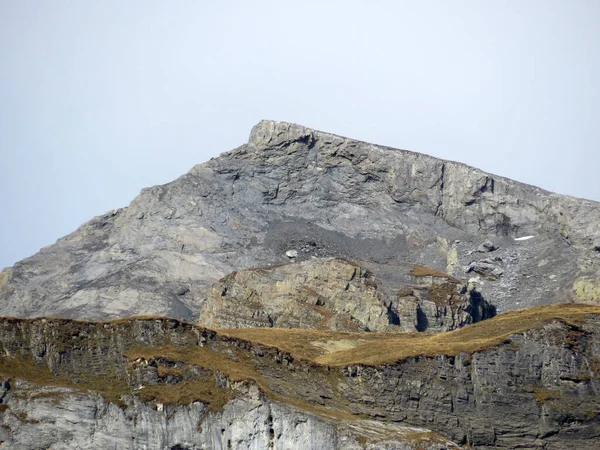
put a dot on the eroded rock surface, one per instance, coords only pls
(338, 294)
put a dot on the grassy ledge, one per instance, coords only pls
(386, 348)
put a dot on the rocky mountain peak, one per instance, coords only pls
(294, 189)
(321, 275)
(269, 133)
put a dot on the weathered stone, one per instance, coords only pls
(487, 246)
(341, 295)
(68, 418)
(485, 267)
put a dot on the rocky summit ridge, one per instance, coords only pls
(344, 295)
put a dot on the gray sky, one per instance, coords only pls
(99, 99)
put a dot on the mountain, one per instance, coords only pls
(307, 290)
(293, 188)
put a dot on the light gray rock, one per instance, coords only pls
(35, 417)
(485, 267)
(487, 246)
(291, 254)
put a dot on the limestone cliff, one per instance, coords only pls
(42, 417)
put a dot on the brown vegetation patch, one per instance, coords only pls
(109, 385)
(234, 364)
(543, 395)
(469, 339)
(164, 371)
(406, 293)
(422, 271)
(300, 343)
(203, 390)
(442, 294)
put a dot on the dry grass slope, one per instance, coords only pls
(108, 385)
(385, 348)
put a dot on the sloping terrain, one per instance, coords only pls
(295, 189)
(462, 384)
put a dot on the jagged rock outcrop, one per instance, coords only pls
(438, 302)
(337, 294)
(293, 188)
(329, 294)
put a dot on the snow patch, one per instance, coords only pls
(524, 238)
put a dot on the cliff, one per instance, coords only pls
(336, 294)
(168, 383)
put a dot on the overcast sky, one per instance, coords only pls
(99, 99)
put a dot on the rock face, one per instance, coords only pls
(316, 294)
(336, 294)
(123, 408)
(59, 418)
(537, 389)
(291, 188)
